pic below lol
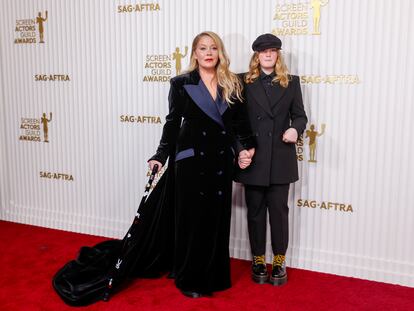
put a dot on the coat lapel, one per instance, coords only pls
(202, 98)
(221, 104)
(259, 94)
(280, 92)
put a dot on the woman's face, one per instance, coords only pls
(206, 53)
(267, 59)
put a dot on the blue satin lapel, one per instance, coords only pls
(221, 105)
(200, 95)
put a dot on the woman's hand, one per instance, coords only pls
(251, 152)
(151, 164)
(245, 158)
(290, 136)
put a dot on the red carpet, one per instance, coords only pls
(31, 255)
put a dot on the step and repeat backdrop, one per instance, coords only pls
(84, 89)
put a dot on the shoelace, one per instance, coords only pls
(278, 260)
(259, 260)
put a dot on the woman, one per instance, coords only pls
(205, 119)
(184, 224)
(276, 113)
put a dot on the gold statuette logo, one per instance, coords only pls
(27, 32)
(312, 134)
(32, 127)
(295, 18)
(45, 122)
(40, 20)
(177, 56)
(316, 8)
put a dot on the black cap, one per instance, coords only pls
(266, 41)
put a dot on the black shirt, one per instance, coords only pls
(269, 87)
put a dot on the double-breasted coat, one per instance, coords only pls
(184, 224)
(200, 136)
(274, 161)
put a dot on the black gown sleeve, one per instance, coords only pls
(172, 124)
(242, 128)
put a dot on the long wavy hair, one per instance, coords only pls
(228, 81)
(282, 73)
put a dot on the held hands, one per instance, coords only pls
(245, 158)
(290, 136)
(152, 163)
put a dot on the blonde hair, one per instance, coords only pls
(282, 73)
(228, 81)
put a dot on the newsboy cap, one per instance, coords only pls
(266, 41)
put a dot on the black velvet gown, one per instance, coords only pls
(186, 226)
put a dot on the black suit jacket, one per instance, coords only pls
(274, 161)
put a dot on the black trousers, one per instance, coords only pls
(259, 200)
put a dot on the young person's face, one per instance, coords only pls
(206, 53)
(267, 59)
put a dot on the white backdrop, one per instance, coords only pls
(101, 79)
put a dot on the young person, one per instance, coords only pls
(277, 117)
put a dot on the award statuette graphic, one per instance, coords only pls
(45, 122)
(40, 20)
(316, 7)
(178, 57)
(312, 134)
